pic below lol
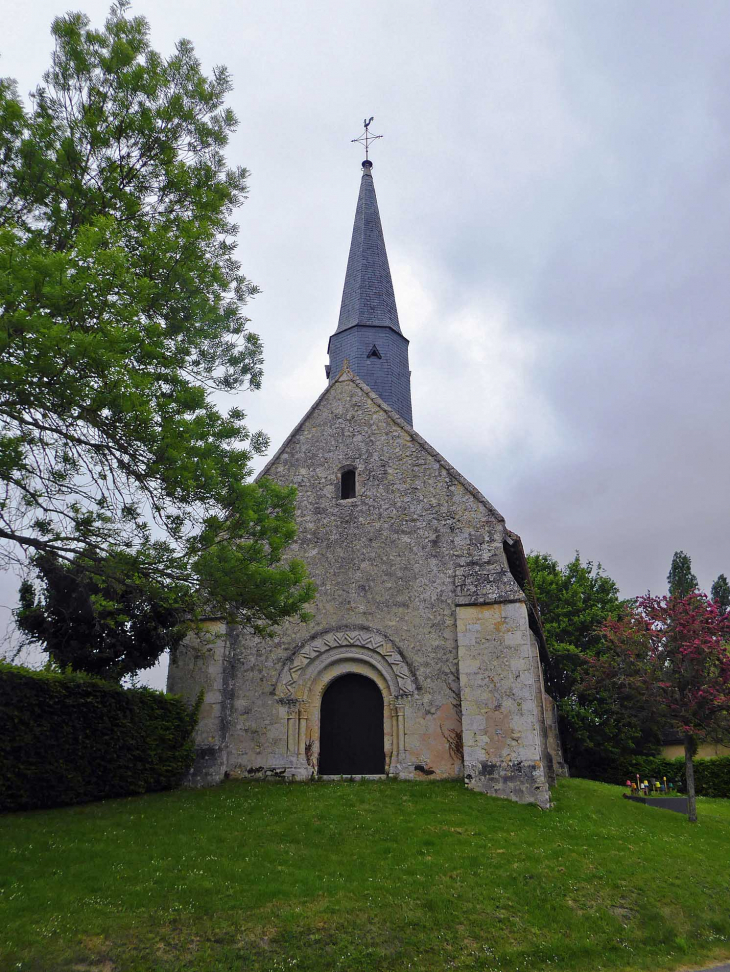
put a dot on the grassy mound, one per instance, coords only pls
(369, 876)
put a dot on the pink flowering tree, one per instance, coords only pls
(671, 657)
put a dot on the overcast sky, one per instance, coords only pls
(554, 186)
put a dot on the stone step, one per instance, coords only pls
(380, 776)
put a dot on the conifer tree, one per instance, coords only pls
(102, 618)
(680, 578)
(720, 594)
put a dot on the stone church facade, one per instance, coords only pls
(424, 657)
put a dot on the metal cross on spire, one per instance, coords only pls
(366, 138)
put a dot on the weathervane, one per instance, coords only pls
(366, 138)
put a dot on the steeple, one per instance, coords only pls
(367, 297)
(368, 332)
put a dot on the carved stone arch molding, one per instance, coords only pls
(334, 646)
(306, 675)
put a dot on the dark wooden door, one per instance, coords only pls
(351, 733)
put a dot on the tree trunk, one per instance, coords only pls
(690, 774)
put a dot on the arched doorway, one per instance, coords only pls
(351, 729)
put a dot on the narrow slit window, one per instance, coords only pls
(348, 484)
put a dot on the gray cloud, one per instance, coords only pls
(554, 189)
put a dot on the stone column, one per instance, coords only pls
(303, 709)
(394, 733)
(400, 712)
(292, 729)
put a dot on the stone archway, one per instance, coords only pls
(351, 727)
(304, 679)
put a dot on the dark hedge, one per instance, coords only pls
(712, 776)
(71, 738)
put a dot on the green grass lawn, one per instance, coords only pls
(369, 876)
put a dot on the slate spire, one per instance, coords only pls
(367, 297)
(368, 332)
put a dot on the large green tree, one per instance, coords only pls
(122, 315)
(575, 601)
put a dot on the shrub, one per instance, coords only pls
(712, 776)
(71, 738)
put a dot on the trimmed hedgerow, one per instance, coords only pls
(70, 738)
(712, 776)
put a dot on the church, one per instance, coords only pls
(424, 658)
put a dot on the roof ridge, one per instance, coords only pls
(347, 375)
(293, 432)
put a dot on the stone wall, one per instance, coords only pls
(203, 663)
(554, 745)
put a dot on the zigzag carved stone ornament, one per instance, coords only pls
(345, 640)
